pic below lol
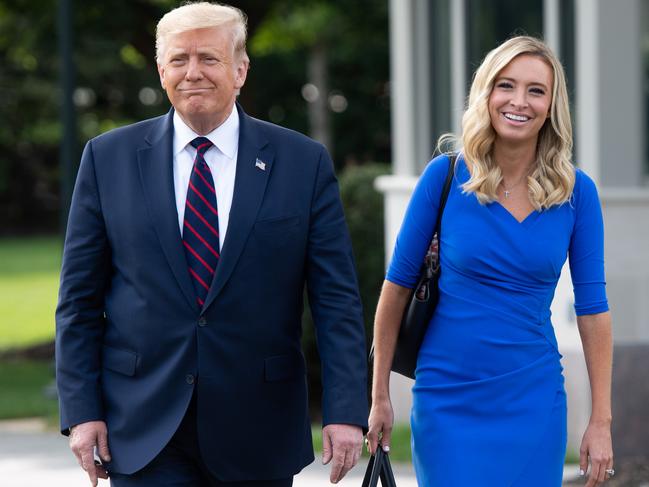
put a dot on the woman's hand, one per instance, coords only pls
(389, 310)
(380, 424)
(596, 446)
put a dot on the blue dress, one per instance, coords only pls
(489, 406)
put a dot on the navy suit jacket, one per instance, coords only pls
(132, 343)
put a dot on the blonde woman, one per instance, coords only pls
(489, 406)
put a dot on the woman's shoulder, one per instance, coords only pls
(584, 193)
(584, 184)
(438, 167)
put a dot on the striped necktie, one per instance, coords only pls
(201, 224)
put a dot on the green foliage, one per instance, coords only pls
(22, 386)
(289, 27)
(115, 59)
(355, 38)
(29, 271)
(364, 213)
(132, 57)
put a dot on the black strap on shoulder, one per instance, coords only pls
(447, 187)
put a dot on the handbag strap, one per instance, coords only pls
(379, 468)
(445, 191)
(387, 476)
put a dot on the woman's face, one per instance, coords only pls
(520, 100)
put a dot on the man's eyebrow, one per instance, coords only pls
(209, 49)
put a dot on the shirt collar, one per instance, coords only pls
(225, 137)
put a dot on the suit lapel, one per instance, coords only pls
(254, 165)
(155, 162)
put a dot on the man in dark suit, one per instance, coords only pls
(190, 240)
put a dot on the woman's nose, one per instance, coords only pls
(519, 98)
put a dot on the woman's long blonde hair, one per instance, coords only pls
(553, 176)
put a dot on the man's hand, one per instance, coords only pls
(343, 443)
(84, 438)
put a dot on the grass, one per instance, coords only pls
(23, 386)
(572, 458)
(399, 445)
(29, 270)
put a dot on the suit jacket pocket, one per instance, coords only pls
(276, 226)
(119, 360)
(284, 367)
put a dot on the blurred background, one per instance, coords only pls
(377, 81)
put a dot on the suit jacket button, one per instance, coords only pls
(202, 321)
(189, 379)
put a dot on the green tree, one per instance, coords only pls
(113, 55)
(340, 49)
(117, 83)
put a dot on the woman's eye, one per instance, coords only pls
(505, 84)
(537, 91)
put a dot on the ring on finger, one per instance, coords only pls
(610, 472)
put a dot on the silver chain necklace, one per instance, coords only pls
(508, 191)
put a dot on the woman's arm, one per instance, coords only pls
(596, 337)
(389, 311)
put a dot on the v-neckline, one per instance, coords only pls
(524, 222)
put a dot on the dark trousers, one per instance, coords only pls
(180, 464)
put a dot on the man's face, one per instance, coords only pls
(202, 76)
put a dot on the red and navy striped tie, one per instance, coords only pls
(201, 225)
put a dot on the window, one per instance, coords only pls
(490, 22)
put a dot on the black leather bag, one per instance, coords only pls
(420, 309)
(379, 468)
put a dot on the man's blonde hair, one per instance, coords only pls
(201, 15)
(553, 176)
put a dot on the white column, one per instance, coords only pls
(422, 89)
(458, 63)
(587, 92)
(551, 25)
(621, 100)
(402, 75)
(407, 80)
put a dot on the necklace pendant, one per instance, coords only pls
(507, 194)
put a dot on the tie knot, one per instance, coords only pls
(201, 144)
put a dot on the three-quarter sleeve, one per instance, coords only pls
(418, 225)
(586, 252)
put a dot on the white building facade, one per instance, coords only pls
(604, 46)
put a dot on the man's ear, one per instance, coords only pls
(161, 73)
(241, 72)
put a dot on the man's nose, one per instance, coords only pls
(193, 69)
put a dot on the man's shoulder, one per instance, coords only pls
(134, 131)
(279, 134)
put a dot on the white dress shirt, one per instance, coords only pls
(221, 159)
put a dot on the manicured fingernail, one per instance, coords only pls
(581, 473)
(386, 448)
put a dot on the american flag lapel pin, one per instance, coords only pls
(260, 164)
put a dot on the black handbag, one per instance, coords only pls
(424, 298)
(379, 468)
